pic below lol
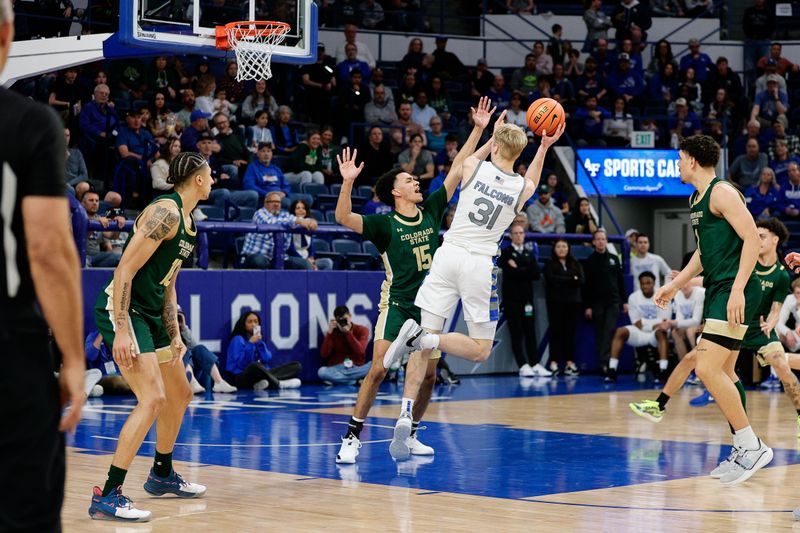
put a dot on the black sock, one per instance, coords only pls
(662, 400)
(354, 428)
(162, 464)
(414, 427)
(116, 477)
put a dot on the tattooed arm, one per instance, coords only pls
(169, 317)
(158, 222)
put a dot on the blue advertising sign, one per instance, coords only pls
(630, 172)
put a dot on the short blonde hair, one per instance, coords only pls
(511, 140)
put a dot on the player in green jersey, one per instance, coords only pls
(727, 250)
(760, 339)
(137, 314)
(407, 238)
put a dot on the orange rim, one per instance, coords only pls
(262, 27)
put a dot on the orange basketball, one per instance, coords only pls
(545, 115)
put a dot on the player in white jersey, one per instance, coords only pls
(688, 305)
(465, 266)
(790, 308)
(649, 327)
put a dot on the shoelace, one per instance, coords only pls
(180, 480)
(120, 500)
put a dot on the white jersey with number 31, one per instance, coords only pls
(487, 205)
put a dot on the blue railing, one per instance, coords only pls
(82, 225)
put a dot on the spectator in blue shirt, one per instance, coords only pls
(248, 356)
(589, 123)
(763, 198)
(698, 60)
(782, 161)
(374, 206)
(264, 177)
(137, 151)
(352, 62)
(770, 104)
(664, 85)
(436, 137)
(562, 90)
(438, 181)
(190, 135)
(684, 122)
(790, 193)
(637, 64)
(98, 126)
(498, 93)
(98, 356)
(259, 247)
(591, 82)
(625, 82)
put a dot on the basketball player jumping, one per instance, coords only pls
(465, 267)
(760, 338)
(727, 250)
(136, 312)
(407, 238)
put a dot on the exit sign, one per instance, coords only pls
(643, 139)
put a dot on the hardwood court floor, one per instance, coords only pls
(510, 456)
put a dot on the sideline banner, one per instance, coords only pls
(630, 172)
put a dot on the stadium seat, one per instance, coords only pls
(365, 191)
(319, 216)
(325, 202)
(238, 244)
(370, 248)
(545, 251)
(307, 198)
(345, 246)
(212, 212)
(335, 188)
(580, 251)
(294, 187)
(246, 214)
(314, 189)
(330, 216)
(321, 245)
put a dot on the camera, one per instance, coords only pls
(115, 212)
(342, 321)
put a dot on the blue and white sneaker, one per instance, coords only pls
(701, 401)
(771, 383)
(115, 506)
(172, 484)
(693, 379)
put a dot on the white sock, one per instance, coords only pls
(429, 341)
(406, 405)
(612, 363)
(745, 438)
(663, 364)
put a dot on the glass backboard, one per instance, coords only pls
(188, 26)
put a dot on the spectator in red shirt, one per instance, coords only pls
(344, 350)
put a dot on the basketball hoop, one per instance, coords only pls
(253, 42)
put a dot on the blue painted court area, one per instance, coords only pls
(276, 432)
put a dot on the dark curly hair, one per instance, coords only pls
(239, 328)
(385, 184)
(776, 227)
(703, 148)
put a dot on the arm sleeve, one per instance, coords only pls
(357, 340)
(240, 354)
(326, 349)
(786, 311)
(378, 229)
(43, 165)
(264, 355)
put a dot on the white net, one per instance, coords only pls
(253, 43)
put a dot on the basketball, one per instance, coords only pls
(545, 115)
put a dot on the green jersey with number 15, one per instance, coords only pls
(407, 245)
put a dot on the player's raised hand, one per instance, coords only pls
(664, 295)
(501, 120)
(792, 260)
(483, 114)
(347, 165)
(549, 140)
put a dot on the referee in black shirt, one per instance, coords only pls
(38, 263)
